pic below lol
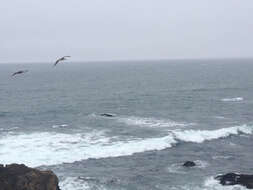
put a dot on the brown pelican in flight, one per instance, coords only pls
(60, 59)
(19, 72)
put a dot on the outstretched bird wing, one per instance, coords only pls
(60, 59)
(57, 61)
(15, 73)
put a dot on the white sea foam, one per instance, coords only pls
(220, 117)
(177, 168)
(220, 157)
(209, 184)
(236, 99)
(212, 184)
(54, 148)
(59, 126)
(72, 183)
(77, 183)
(201, 164)
(199, 136)
(151, 122)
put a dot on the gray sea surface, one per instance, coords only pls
(164, 113)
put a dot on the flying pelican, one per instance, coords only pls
(60, 59)
(19, 72)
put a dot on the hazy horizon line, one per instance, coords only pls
(132, 60)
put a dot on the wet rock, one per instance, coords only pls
(21, 177)
(107, 115)
(189, 164)
(236, 179)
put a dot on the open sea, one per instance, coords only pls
(165, 113)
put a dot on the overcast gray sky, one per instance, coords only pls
(41, 30)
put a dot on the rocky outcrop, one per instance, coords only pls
(236, 179)
(189, 164)
(21, 177)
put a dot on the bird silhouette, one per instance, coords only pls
(60, 59)
(19, 72)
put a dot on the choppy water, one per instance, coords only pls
(166, 112)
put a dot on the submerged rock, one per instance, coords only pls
(236, 179)
(189, 164)
(107, 115)
(21, 177)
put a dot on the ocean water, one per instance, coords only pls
(165, 113)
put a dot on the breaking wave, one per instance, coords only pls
(199, 136)
(48, 148)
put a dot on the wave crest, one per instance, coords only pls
(199, 136)
(55, 148)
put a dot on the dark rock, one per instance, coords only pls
(236, 179)
(21, 177)
(107, 115)
(189, 164)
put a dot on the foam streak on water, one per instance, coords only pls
(237, 99)
(151, 122)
